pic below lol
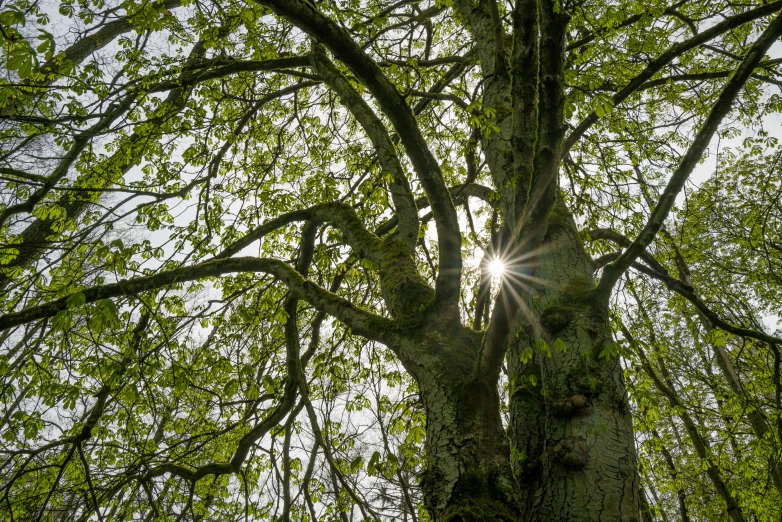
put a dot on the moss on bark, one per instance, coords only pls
(405, 292)
(482, 495)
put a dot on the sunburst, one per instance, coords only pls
(496, 268)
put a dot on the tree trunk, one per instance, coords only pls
(467, 474)
(570, 430)
(568, 453)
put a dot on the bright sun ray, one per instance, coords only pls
(496, 268)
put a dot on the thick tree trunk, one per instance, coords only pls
(570, 430)
(568, 453)
(467, 474)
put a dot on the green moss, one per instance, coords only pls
(405, 291)
(580, 288)
(483, 496)
(560, 217)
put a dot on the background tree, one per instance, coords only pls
(249, 252)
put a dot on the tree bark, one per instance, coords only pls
(568, 453)
(468, 475)
(570, 429)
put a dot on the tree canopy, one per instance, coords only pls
(246, 256)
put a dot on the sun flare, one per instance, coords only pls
(496, 268)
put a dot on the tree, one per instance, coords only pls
(223, 298)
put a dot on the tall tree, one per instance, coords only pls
(222, 298)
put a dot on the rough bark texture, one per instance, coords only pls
(569, 452)
(570, 431)
(468, 476)
(570, 428)
(467, 473)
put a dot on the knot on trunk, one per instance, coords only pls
(570, 407)
(556, 317)
(585, 379)
(571, 453)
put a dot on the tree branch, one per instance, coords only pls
(716, 321)
(305, 16)
(339, 215)
(459, 193)
(524, 91)
(625, 23)
(543, 186)
(722, 107)
(80, 142)
(34, 236)
(668, 56)
(361, 322)
(401, 193)
(700, 444)
(85, 46)
(622, 241)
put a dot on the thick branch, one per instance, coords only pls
(550, 129)
(220, 68)
(80, 142)
(338, 41)
(401, 193)
(34, 237)
(361, 322)
(622, 241)
(23, 175)
(85, 46)
(721, 108)
(339, 215)
(524, 95)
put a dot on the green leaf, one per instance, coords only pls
(30, 430)
(61, 320)
(231, 387)
(609, 351)
(373, 462)
(416, 435)
(109, 308)
(47, 44)
(76, 300)
(543, 348)
(12, 17)
(22, 59)
(253, 392)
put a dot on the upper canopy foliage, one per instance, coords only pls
(198, 199)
